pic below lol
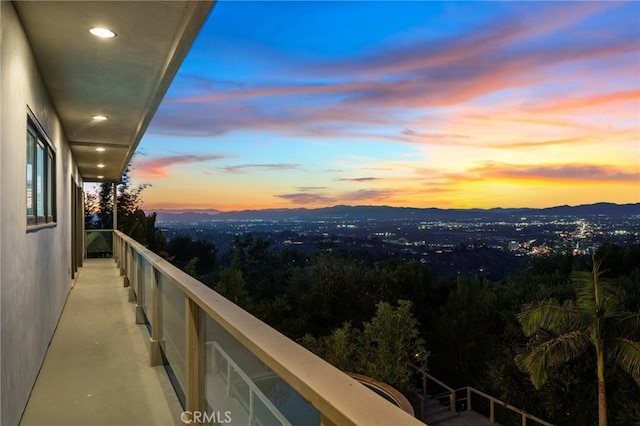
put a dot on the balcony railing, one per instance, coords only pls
(241, 387)
(98, 243)
(449, 398)
(230, 366)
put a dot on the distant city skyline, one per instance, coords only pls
(285, 104)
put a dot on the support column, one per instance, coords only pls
(81, 231)
(115, 206)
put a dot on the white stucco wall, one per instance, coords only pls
(35, 275)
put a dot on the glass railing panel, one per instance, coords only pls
(128, 261)
(148, 280)
(173, 341)
(98, 243)
(137, 281)
(241, 386)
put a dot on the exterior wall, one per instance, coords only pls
(35, 266)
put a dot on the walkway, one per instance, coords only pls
(96, 371)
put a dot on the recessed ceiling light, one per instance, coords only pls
(101, 166)
(100, 149)
(100, 177)
(100, 117)
(102, 32)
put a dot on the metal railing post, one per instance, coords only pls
(469, 399)
(492, 415)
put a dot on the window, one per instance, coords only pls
(41, 189)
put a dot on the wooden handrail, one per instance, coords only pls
(450, 390)
(468, 391)
(433, 379)
(339, 399)
(493, 400)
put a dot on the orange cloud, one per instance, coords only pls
(564, 172)
(564, 104)
(560, 94)
(306, 198)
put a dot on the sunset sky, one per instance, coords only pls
(421, 104)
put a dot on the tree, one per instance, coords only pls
(394, 344)
(91, 210)
(467, 331)
(342, 348)
(333, 290)
(105, 206)
(386, 349)
(408, 280)
(259, 266)
(232, 286)
(132, 220)
(595, 320)
(182, 250)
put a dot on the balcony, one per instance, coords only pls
(221, 364)
(96, 369)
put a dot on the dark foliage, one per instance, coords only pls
(183, 250)
(468, 323)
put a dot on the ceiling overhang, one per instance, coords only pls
(123, 78)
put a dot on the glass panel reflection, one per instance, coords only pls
(240, 385)
(173, 342)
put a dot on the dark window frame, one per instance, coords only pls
(40, 176)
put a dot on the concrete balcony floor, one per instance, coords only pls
(96, 370)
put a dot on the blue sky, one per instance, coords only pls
(423, 104)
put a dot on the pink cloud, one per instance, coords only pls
(243, 168)
(559, 105)
(315, 196)
(358, 179)
(157, 167)
(372, 90)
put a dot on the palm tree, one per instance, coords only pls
(562, 332)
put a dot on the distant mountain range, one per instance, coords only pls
(396, 213)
